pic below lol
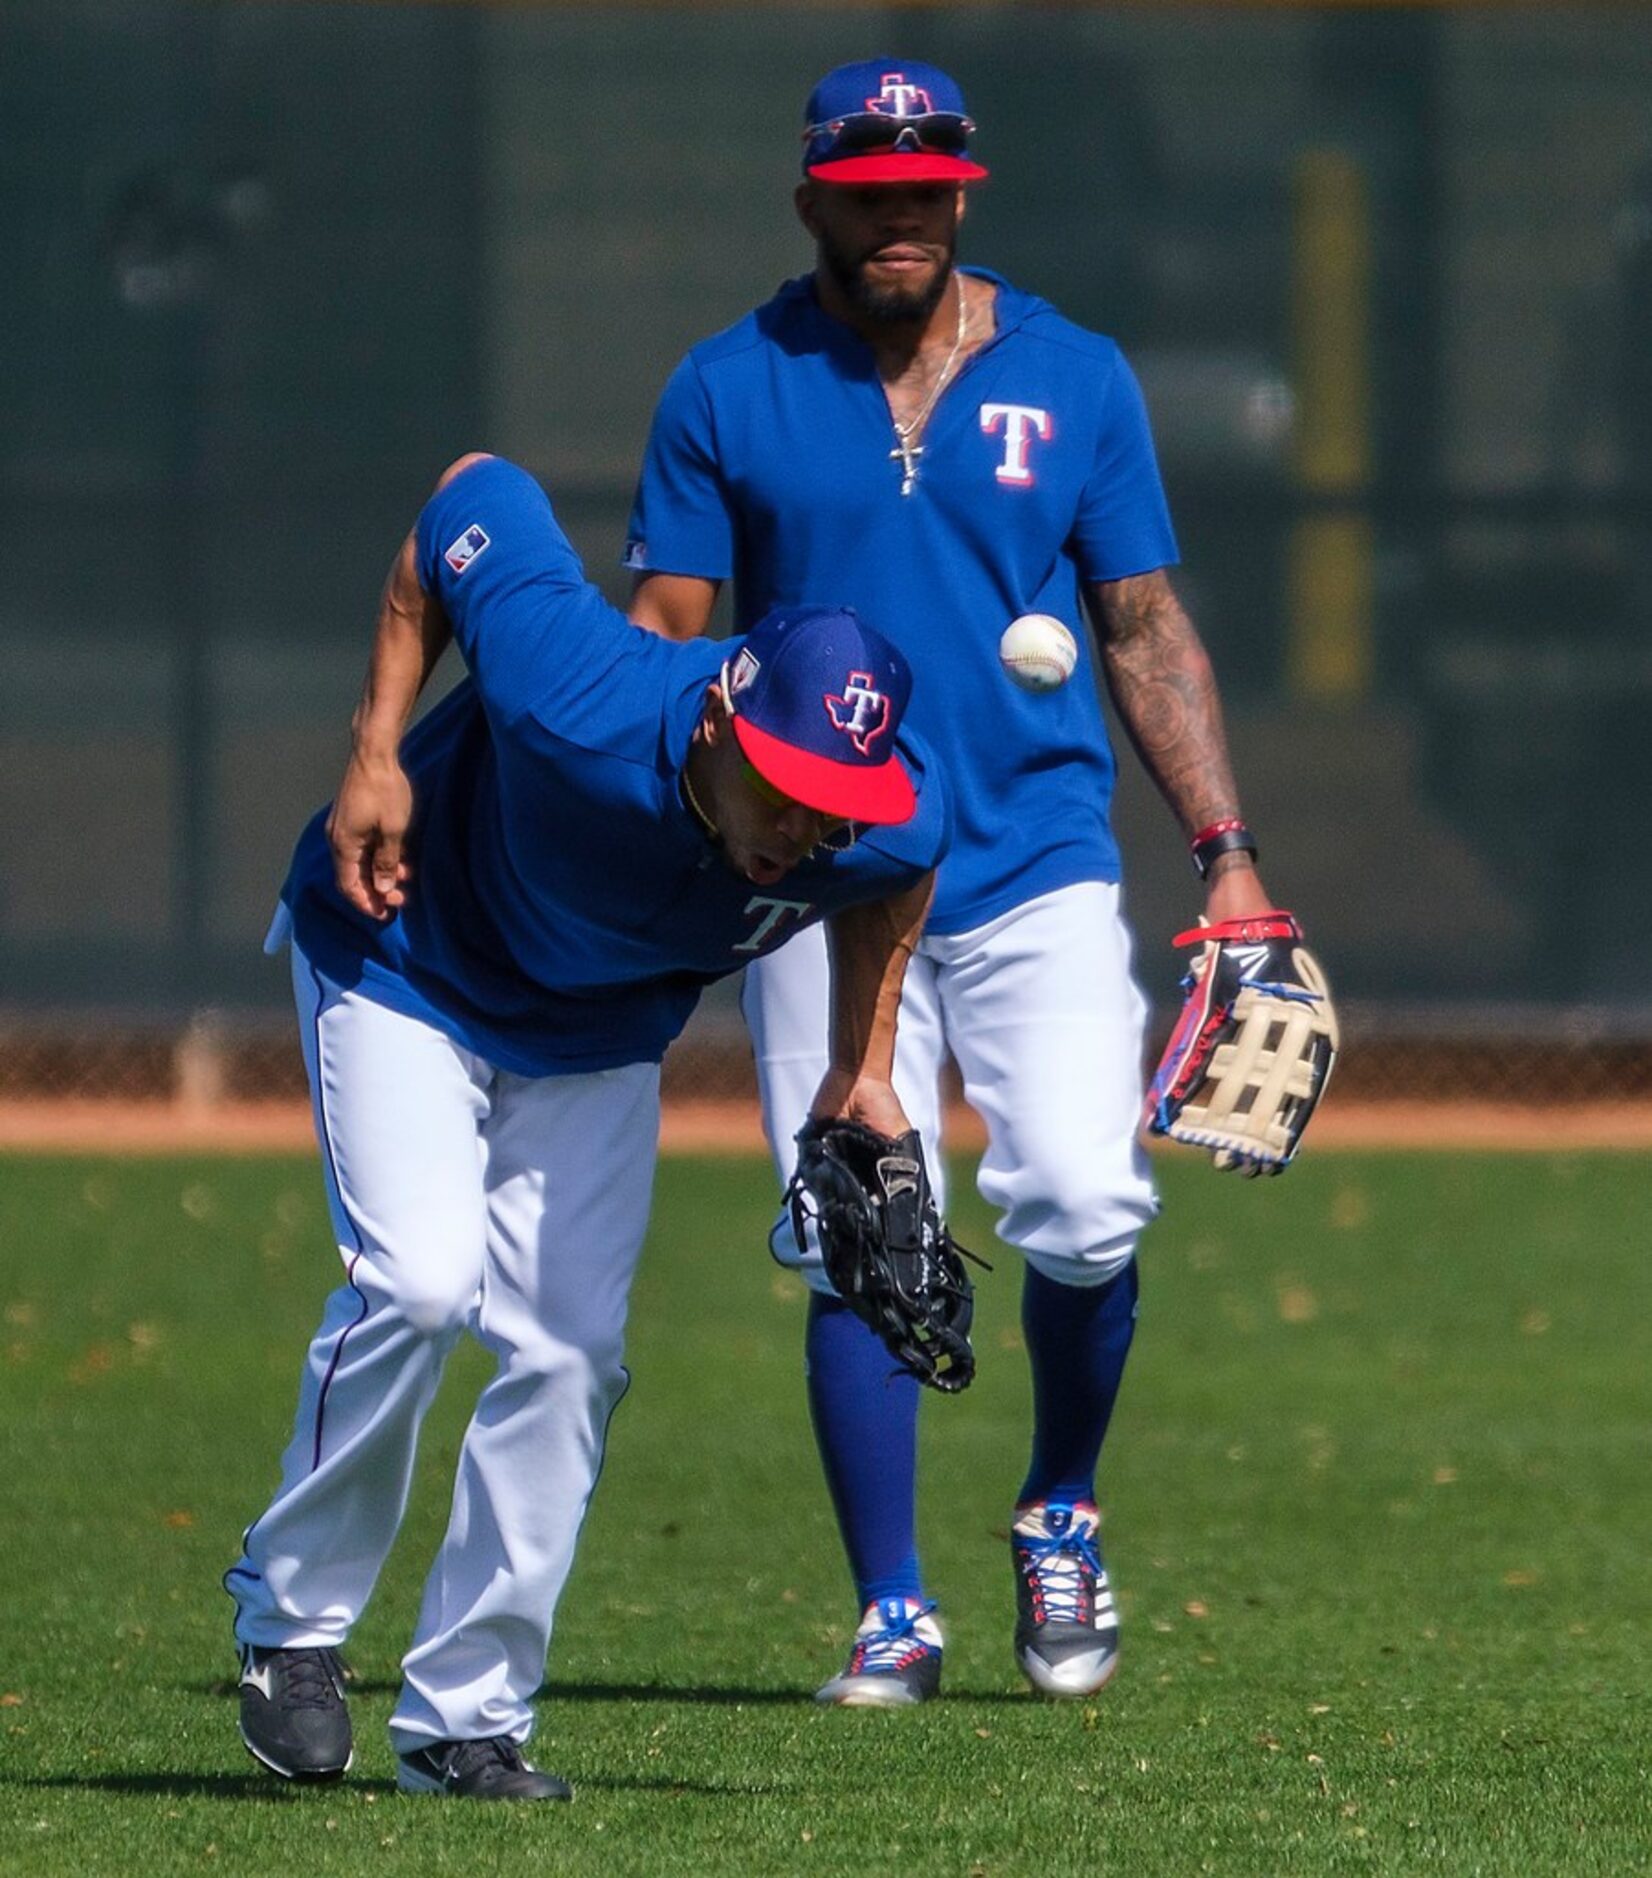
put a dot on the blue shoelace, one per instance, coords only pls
(1067, 1566)
(883, 1649)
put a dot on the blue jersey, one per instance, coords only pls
(771, 461)
(566, 909)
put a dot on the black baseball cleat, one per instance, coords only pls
(293, 1714)
(478, 1770)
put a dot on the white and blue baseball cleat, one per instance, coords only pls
(1067, 1626)
(895, 1661)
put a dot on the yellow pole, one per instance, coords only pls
(1329, 574)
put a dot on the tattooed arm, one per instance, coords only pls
(1160, 678)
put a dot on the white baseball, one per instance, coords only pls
(1038, 652)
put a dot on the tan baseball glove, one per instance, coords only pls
(1253, 1048)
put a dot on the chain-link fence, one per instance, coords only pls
(1386, 275)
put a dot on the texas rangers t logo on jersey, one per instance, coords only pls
(1020, 423)
(862, 711)
(899, 99)
(465, 550)
(770, 914)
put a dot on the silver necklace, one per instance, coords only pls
(907, 447)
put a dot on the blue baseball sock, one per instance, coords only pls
(1078, 1337)
(865, 1411)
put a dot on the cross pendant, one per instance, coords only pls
(908, 454)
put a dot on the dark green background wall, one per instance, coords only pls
(268, 267)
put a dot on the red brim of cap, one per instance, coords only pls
(883, 793)
(899, 166)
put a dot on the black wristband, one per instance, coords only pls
(1208, 848)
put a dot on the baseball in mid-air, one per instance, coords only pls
(1038, 652)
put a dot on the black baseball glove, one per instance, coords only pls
(885, 1249)
(1253, 1048)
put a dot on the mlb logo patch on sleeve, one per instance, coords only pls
(465, 550)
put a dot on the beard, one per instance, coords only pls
(891, 305)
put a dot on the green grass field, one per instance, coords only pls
(1379, 1504)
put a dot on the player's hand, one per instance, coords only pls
(843, 1096)
(367, 831)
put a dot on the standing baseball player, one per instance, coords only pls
(603, 823)
(949, 453)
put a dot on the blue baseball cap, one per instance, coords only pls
(888, 121)
(817, 697)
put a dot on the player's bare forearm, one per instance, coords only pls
(371, 812)
(374, 804)
(870, 947)
(676, 606)
(1160, 678)
(409, 637)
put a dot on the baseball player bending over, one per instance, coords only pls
(603, 823)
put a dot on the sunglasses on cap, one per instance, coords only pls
(945, 133)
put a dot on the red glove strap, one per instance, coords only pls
(1252, 931)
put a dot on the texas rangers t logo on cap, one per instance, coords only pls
(862, 711)
(899, 99)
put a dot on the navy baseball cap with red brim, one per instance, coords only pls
(888, 121)
(817, 698)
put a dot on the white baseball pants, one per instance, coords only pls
(461, 1195)
(1041, 1012)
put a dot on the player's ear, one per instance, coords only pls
(963, 202)
(714, 717)
(803, 199)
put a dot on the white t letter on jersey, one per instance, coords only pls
(773, 911)
(1021, 423)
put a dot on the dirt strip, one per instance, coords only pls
(732, 1127)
